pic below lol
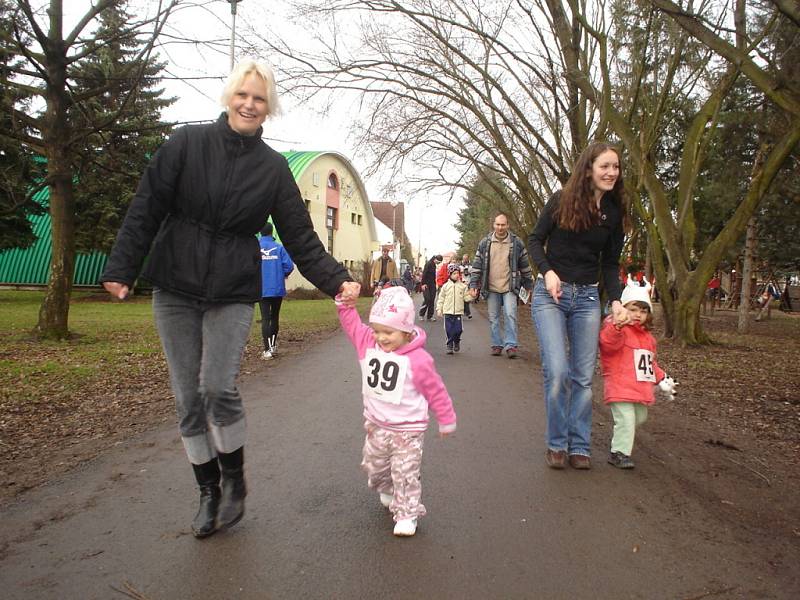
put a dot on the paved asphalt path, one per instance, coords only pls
(500, 524)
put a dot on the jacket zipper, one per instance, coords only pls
(214, 240)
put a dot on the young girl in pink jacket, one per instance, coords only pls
(399, 384)
(630, 371)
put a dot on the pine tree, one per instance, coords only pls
(19, 170)
(112, 161)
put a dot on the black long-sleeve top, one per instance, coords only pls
(580, 256)
(205, 194)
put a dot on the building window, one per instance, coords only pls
(359, 219)
(353, 218)
(308, 205)
(330, 225)
(315, 178)
(333, 181)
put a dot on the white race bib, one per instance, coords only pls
(643, 365)
(383, 376)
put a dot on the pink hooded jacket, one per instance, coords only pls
(398, 387)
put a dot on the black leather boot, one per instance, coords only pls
(231, 507)
(207, 475)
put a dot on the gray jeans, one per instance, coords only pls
(203, 343)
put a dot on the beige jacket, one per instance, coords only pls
(452, 296)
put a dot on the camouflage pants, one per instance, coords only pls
(392, 460)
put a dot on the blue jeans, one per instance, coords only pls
(568, 333)
(453, 329)
(508, 301)
(203, 343)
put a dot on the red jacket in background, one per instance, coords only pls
(628, 360)
(441, 275)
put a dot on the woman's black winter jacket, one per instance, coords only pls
(201, 201)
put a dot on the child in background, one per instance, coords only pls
(399, 384)
(630, 371)
(451, 302)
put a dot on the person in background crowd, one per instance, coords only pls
(276, 266)
(429, 288)
(408, 279)
(383, 268)
(453, 297)
(500, 269)
(466, 268)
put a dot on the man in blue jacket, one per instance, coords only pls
(275, 268)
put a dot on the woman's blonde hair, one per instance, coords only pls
(240, 72)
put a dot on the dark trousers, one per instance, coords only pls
(429, 301)
(270, 317)
(453, 329)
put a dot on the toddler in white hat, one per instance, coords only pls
(631, 374)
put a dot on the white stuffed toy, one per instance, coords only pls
(666, 388)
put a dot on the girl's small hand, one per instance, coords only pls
(620, 314)
(553, 284)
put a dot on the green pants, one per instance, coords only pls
(627, 416)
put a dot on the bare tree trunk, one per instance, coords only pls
(54, 312)
(747, 267)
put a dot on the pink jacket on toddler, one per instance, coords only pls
(398, 388)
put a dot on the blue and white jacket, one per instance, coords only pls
(275, 267)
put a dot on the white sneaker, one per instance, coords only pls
(386, 499)
(405, 527)
(266, 355)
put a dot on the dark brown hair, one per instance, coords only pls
(576, 210)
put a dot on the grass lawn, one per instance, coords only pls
(108, 338)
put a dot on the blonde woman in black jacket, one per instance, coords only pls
(203, 198)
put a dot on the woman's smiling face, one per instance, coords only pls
(605, 171)
(247, 108)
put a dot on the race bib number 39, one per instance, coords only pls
(383, 376)
(643, 365)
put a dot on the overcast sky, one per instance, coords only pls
(299, 128)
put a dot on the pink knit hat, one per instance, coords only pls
(394, 308)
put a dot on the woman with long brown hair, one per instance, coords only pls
(578, 236)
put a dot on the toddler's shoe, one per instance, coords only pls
(386, 499)
(497, 350)
(449, 348)
(432, 319)
(511, 351)
(266, 355)
(405, 527)
(620, 460)
(457, 347)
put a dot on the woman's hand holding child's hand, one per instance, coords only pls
(350, 291)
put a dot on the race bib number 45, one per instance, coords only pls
(643, 365)
(383, 376)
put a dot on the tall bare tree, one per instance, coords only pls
(47, 73)
(449, 91)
